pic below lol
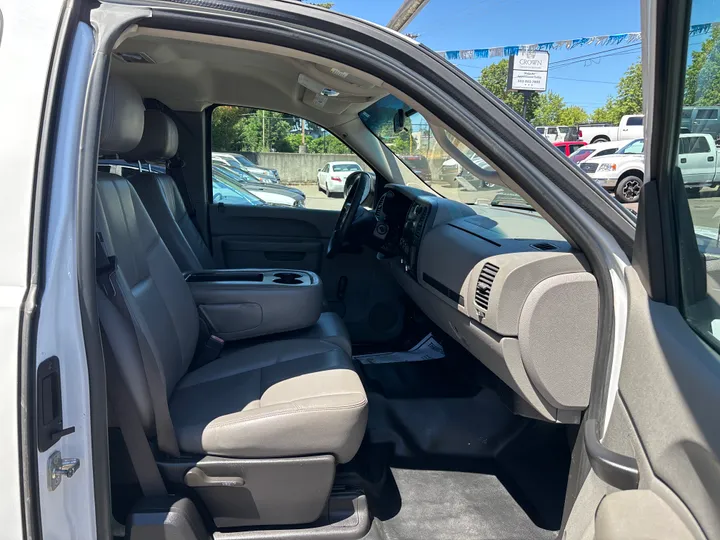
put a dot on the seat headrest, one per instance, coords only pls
(123, 118)
(159, 139)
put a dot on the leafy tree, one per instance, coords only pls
(494, 78)
(549, 107)
(327, 144)
(702, 80)
(573, 115)
(265, 131)
(629, 99)
(227, 129)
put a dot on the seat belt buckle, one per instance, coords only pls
(105, 267)
(212, 349)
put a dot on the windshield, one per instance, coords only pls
(235, 175)
(432, 168)
(635, 147)
(580, 155)
(243, 160)
(346, 167)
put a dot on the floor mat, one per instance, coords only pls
(427, 348)
(437, 505)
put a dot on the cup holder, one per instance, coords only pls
(287, 278)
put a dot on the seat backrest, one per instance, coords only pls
(161, 196)
(150, 281)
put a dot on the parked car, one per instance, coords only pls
(419, 165)
(624, 171)
(631, 127)
(251, 167)
(269, 193)
(230, 193)
(568, 147)
(451, 170)
(701, 120)
(595, 150)
(331, 178)
(559, 133)
(238, 161)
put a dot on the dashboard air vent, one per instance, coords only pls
(484, 284)
(544, 246)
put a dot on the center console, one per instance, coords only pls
(415, 220)
(240, 304)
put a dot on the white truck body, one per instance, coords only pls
(697, 159)
(631, 127)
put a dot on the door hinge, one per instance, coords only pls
(59, 467)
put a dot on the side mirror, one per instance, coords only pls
(319, 170)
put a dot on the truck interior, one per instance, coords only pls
(281, 432)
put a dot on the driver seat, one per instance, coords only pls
(161, 198)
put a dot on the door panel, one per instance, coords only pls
(357, 286)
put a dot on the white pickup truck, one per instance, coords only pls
(624, 171)
(631, 127)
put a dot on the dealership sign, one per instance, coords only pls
(528, 71)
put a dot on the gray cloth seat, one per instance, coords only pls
(162, 200)
(293, 397)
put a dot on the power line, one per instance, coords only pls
(581, 80)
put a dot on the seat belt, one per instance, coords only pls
(174, 167)
(105, 269)
(141, 455)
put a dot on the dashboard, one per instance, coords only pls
(504, 284)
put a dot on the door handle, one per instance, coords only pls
(710, 158)
(615, 469)
(683, 160)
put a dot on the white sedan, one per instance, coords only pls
(331, 178)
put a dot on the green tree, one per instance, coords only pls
(265, 131)
(549, 108)
(573, 115)
(629, 99)
(327, 144)
(702, 79)
(494, 78)
(227, 128)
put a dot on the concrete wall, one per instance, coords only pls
(299, 168)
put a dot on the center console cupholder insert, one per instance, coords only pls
(287, 278)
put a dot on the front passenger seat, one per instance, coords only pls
(288, 398)
(161, 198)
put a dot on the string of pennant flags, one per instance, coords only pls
(568, 44)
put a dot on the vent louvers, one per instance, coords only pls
(484, 284)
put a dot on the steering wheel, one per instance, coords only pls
(360, 181)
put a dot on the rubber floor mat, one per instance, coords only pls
(453, 505)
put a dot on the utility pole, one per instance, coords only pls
(406, 13)
(303, 147)
(264, 145)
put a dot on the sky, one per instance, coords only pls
(472, 24)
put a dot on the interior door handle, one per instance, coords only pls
(615, 469)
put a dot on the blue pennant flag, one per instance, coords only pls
(481, 53)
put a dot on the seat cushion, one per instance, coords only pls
(278, 399)
(329, 327)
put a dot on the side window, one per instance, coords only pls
(635, 121)
(707, 114)
(262, 157)
(700, 276)
(606, 152)
(552, 131)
